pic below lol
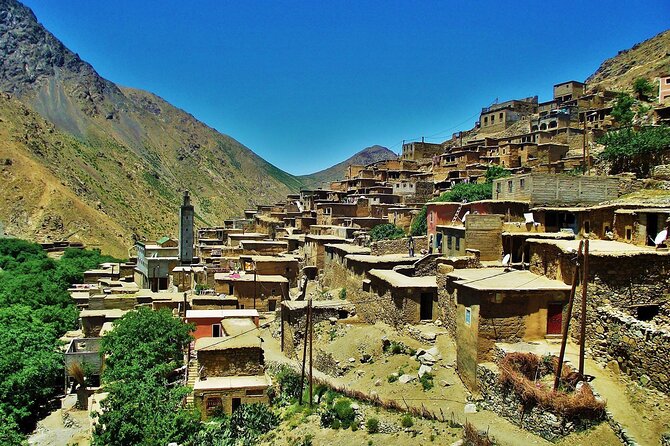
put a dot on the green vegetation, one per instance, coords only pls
(406, 420)
(35, 311)
(339, 414)
(622, 112)
(461, 192)
(631, 150)
(427, 381)
(343, 293)
(372, 425)
(387, 231)
(643, 88)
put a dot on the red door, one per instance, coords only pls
(554, 319)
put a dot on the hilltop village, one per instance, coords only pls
(562, 268)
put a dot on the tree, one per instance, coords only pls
(622, 111)
(643, 88)
(387, 231)
(630, 150)
(145, 344)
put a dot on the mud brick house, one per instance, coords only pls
(420, 150)
(410, 299)
(628, 311)
(315, 251)
(286, 266)
(556, 189)
(492, 305)
(498, 117)
(481, 232)
(234, 239)
(259, 291)
(93, 320)
(155, 261)
(208, 323)
(263, 247)
(228, 372)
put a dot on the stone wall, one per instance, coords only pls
(398, 246)
(507, 404)
(639, 349)
(237, 361)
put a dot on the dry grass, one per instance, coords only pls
(76, 371)
(472, 437)
(521, 372)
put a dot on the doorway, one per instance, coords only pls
(426, 309)
(237, 402)
(652, 229)
(554, 319)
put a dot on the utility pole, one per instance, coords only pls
(255, 286)
(304, 354)
(585, 279)
(311, 337)
(566, 323)
(584, 160)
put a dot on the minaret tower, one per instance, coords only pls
(186, 231)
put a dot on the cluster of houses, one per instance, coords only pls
(493, 272)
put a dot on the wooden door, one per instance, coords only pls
(554, 319)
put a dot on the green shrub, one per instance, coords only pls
(427, 381)
(372, 425)
(406, 420)
(345, 413)
(387, 231)
(336, 424)
(343, 293)
(643, 88)
(392, 378)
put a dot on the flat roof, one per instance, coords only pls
(502, 279)
(250, 278)
(386, 258)
(249, 339)
(232, 382)
(246, 234)
(397, 280)
(234, 326)
(643, 210)
(601, 247)
(220, 314)
(299, 304)
(262, 258)
(113, 313)
(349, 248)
(543, 235)
(333, 238)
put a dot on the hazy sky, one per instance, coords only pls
(307, 84)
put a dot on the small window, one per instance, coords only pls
(431, 217)
(272, 305)
(213, 404)
(457, 242)
(498, 187)
(216, 330)
(468, 316)
(587, 227)
(509, 186)
(629, 233)
(254, 392)
(449, 241)
(522, 183)
(500, 116)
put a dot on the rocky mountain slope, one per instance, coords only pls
(647, 59)
(366, 156)
(84, 157)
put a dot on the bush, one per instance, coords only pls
(643, 88)
(289, 385)
(427, 381)
(345, 413)
(630, 150)
(343, 293)
(372, 425)
(406, 420)
(622, 111)
(387, 231)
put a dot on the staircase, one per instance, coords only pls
(192, 376)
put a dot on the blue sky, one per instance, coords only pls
(307, 84)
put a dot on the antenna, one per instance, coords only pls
(660, 237)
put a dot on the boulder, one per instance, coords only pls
(428, 336)
(404, 379)
(427, 359)
(424, 369)
(470, 408)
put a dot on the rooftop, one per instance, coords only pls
(248, 339)
(397, 280)
(232, 382)
(349, 248)
(220, 314)
(403, 259)
(601, 247)
(234, 277)
(502, 279)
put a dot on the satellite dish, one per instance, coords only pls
(660, 237)
(506, 259)
(464, 216)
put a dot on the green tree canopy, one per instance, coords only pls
(387, 231)
(631, 150)
(145, 343)
(622, 111)
(643, 88)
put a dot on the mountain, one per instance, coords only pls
(366, 156)
(647, 59)
(85, 159)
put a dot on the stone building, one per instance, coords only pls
(208, 323)
(412, 299)
(258, 291)
(490, 305)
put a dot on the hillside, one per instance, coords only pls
(647, 59)
(102, 163)
(366, 156)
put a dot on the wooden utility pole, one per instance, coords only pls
(255, 286)
(584, 146)
(585, 279)
(304, 353)
(311, 338)
(566, 323)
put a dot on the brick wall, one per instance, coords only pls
(238, 361)
(398, 246)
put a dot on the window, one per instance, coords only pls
(212, 404)
(216, 330)
(457, 242)
(431, 217)
(493, 118)
(498, 187)
(254, 392)
(272, 305)
(468, 316)
(522, 183)
(449, 241)
(509, 186)
(629, 233)
(500, 116)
